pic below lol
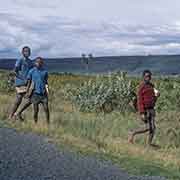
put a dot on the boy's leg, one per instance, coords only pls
(25, 106)
(46, 110)
(142, 130)
(136, 132)
(16, 104)
(36, 111)
(152, 126)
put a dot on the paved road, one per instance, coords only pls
(31, 157)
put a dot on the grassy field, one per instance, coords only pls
(104, 133)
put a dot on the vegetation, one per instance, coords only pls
(115, 92)
(6, 83)
(81, 119)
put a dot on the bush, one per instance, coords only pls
(6, 83)
(103, 94)
(170, 94)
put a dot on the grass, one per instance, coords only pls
(105, 135)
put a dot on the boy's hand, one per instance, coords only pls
(157, 93)
(27, 96)
(47, 89)
(143, 116)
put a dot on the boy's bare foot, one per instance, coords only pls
(155, 146)
(35, 121)
(131, 138)
(12, 117)
(19, 116)
(48, 123)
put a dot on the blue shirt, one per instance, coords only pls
(39, 76)
(22, 68)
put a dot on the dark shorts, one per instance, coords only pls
(39, 99)
(149, 115)
(150, 119)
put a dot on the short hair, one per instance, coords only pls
(26, 47)
(40, 58)
(147, 72)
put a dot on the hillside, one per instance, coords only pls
(165, 65)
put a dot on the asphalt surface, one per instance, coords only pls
(31, 157)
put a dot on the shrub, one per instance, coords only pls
(6, 83)
(102, 94)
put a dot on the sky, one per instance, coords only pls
(68, 28)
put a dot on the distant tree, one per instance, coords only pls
(90, 56)
(83, 56)
(87, 60)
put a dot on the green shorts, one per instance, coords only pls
(39, 99)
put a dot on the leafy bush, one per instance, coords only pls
(103, 94)
(170, 94)
(6, 82)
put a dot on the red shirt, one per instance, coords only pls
(146, 97)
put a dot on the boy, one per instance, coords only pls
(37, 89)
(21, 70)
(147, 96)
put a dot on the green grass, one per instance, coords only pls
(104, 135)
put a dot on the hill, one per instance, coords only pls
(162, 64)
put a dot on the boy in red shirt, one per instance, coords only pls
(147, 96)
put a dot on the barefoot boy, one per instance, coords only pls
(21, 70)
(37, 89)
(147, 96)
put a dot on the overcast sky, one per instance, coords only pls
(65, 28)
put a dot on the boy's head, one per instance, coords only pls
(39, 62)
(147, 76)
(26, 51)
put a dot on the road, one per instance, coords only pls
(26, 156)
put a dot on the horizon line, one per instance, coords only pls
(79, 57)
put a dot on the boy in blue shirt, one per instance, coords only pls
(21, 71)
(37, 89)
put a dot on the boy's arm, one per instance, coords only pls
(156, 95)
(29, 83)
(17, 67)
(140, 101)
(156, 92)
(46, 83)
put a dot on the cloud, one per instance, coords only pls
(65, 28)
(58, 36)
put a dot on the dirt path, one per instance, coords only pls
(31, 157)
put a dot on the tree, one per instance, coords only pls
(87, 60)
